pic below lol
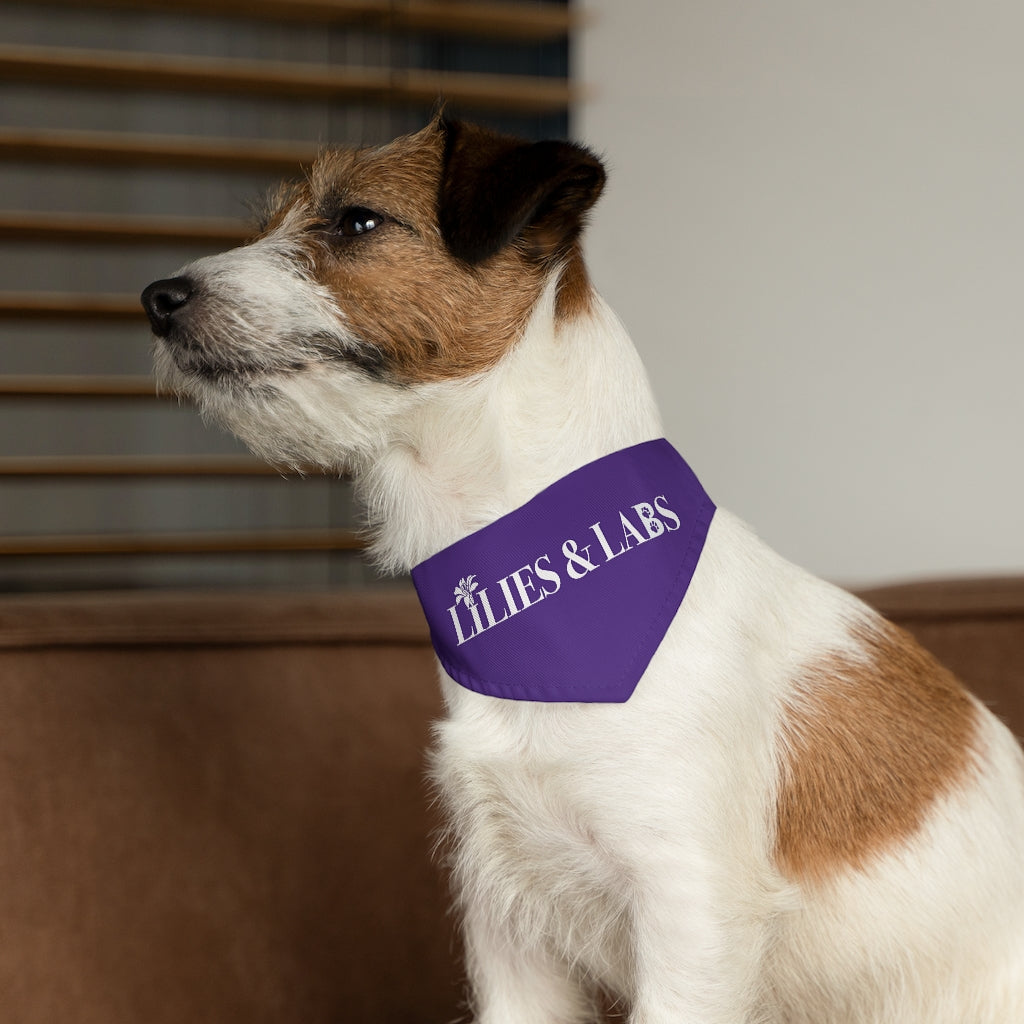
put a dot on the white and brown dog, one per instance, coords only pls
(798, 816)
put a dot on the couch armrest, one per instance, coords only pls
(974, 626)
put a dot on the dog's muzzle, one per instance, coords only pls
(164, 301)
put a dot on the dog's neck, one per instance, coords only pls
(471, 451)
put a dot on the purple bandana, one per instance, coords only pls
(568, 597)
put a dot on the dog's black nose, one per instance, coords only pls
(163, 299)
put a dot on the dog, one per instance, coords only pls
(792, 814)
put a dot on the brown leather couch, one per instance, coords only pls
(213, 807)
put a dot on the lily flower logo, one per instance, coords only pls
(464, 591)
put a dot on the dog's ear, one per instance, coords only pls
(496, 190)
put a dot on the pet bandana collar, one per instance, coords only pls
(568, 597)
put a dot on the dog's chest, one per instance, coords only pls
(528, 836)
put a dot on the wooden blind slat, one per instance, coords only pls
(69, 306)
(485, 18)
(193, 543)
(179, 152)
(17, 225)
(76, 386)
(503, 21)
(68, 66)
(143, 466)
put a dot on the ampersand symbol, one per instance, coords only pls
(575, 561)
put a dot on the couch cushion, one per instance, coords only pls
(213, 809)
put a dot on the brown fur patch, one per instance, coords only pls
(574, 289)
(427, 315)
(869, 745)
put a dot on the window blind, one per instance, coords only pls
(131, 140)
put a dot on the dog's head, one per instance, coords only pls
(385, 272)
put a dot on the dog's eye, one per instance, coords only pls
(357, 220)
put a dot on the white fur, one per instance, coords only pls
(630, 847)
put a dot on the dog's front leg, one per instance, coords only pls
(699, 955)
(512, 982)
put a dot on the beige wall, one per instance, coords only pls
(815, 232)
